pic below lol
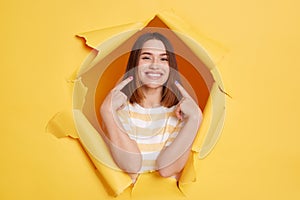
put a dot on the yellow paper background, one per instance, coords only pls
(258, 155)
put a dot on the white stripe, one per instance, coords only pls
(153, 124)
(151, 140)
(150, 155)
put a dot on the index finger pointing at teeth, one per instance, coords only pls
(183, 92)
(123, 83)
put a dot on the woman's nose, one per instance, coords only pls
(154, 64)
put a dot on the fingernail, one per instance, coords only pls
(130, 77)
(176, 82)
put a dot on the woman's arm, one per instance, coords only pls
(173, 158)
(124, 151)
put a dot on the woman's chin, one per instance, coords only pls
(153, 85)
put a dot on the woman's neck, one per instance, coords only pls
(152, 97)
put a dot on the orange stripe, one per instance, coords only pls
(158, 131)
(147, 163)
(151, 147)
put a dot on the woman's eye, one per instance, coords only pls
(164, 59)
(145, 58)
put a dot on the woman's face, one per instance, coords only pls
(153, 64)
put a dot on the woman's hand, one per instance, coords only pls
(116, 99)
(187, 107)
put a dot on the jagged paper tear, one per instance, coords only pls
(62, 124)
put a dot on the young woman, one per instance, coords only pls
(150, 119)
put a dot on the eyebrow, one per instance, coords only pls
(147, 53)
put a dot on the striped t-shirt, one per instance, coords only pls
(151, 128)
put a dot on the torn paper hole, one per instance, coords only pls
(100, 72)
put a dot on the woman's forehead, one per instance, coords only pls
(154, 45)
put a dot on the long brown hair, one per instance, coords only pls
(170, 93)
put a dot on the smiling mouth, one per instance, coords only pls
(152, 75)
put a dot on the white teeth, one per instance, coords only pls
(155, 75)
